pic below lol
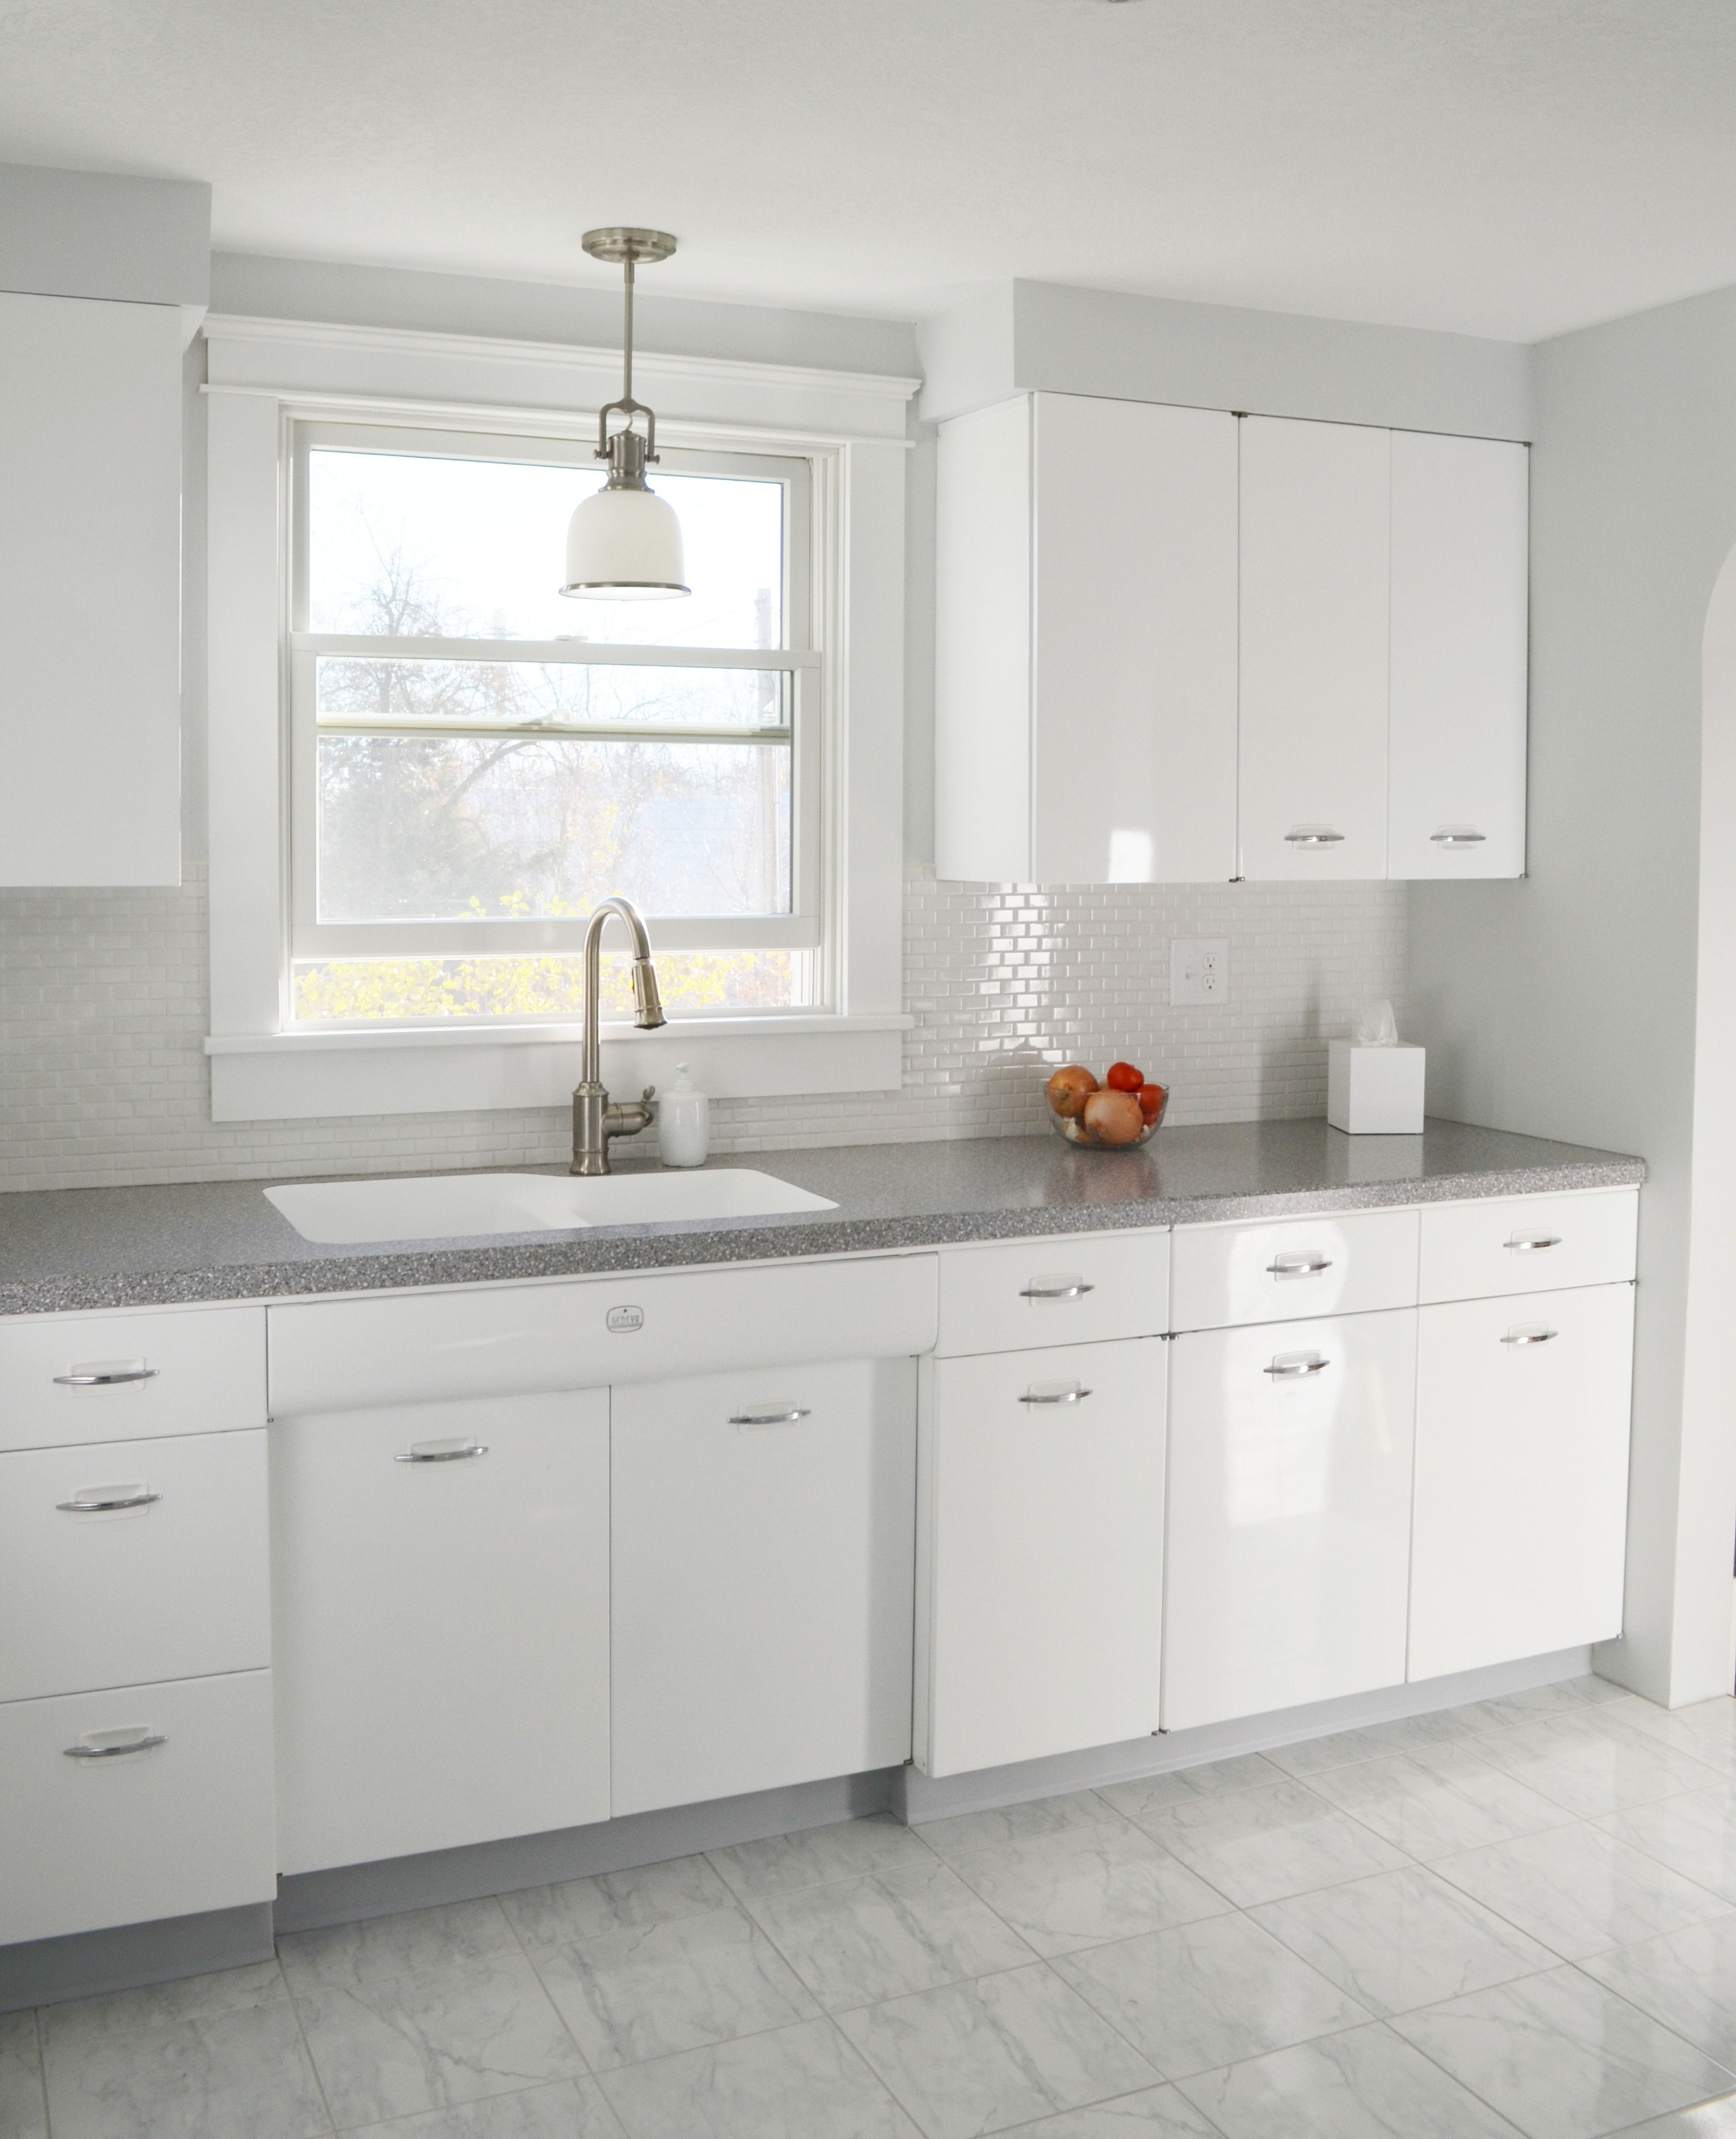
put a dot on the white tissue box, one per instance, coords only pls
(1375, 1091)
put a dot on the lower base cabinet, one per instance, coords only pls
(1289, 1513)
(440, 1578)
(764, 1539)
(1041, 1569)
(143, 1802)
(1522, 1434)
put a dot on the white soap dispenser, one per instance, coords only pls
(683, 1123)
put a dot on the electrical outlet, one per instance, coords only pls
(1199, 970)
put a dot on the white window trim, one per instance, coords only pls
(265, 374)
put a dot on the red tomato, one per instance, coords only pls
(1151, 1098)
(1123, 1077)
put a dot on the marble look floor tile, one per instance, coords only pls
(23, 2110)
(189, 1998)
(412, 1944)
(641, 1994)
(858, 1941)
(1580, 1890)
(614, 1902)
(800, 2083)
(957, 1836)
(1707, 2120)
(1157, 2112)
(1211, 1779)
(1366, 2083)
(1003, 2050)
(848, 1849)
(428, 2042)
(1401, 1940)
(569, 2109)
(1588, 1768)
(1374, 1741)
(1078, 1890)
(1694, 1835)
(1706, 1731)
(151, 2071)
(1686, 1978)
(1563, 1696)
(1439, 1801)
(1208, 1993)
(1562, 2058)
(1260, 1845)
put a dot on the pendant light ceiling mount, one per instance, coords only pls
(623, 543)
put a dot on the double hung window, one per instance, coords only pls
(477, 761)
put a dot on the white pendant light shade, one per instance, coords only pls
(625, 545)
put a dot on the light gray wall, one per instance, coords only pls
(87, 234)
(1565, 1004)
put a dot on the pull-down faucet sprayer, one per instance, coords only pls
(596, 1120)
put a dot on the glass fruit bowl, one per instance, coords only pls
(1075, 1128)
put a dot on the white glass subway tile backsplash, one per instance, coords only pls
(103, 1017)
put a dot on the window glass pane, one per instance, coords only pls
(417, 546)
(546, 694)
(538, 985)
(428, 828)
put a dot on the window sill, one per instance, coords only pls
(298, 1076)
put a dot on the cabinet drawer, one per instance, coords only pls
(1018, 1294)
(1041, 1579)
(1293, 1268)
(587, 1332)
(166, 1831)
(1529, 1244)
(172, 1586)
(78, 1377)
(1521, 1507)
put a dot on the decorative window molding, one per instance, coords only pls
(263, 376)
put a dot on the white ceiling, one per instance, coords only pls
(1511, 168)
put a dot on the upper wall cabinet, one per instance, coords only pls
(90, 591)
(1175, 646)
(1086, 643)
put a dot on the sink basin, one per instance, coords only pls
(446, 1206)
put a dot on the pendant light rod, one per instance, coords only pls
(628, 454)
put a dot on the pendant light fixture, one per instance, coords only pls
(623, 543)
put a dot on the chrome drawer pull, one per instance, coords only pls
(771, 1417)
(1076, 1394)
(1526, 1244)
(1457, 839)
(1530, 1336)
(139, 1744)
(87, 1507)
(105, 1380)
(1293, 1370)
(1299, 1265)
(442, 1451)
(1315, 836)
(1076, 1291)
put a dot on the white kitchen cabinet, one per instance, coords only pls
(763, 1542)
(1529, 1244)
(440, 1577)
(1014, 1296)
(1456, 737)
(90, 591)
(1086, 650)
(1346, 1262)
(1041, 1561)
(1521, 1503)
(1315, 530)
(67, 1379)
(1288, 1521)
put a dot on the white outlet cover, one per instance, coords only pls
(1199, 969)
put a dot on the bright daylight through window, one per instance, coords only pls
(478, 761)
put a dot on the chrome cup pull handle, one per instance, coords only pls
(1075, 1290)
(1531, 1336)
(1527, 1244)
(97, 1502)
(118, 1748)
(1313, 835)
(442, 1451)
(1445, 839)
(1296, 1369)
(1297, 1265)
(785, 1418)
(106, 1377)
(1077, 1394)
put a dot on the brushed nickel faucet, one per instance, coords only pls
(596, 1120)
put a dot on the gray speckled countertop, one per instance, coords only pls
(65, 1249)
